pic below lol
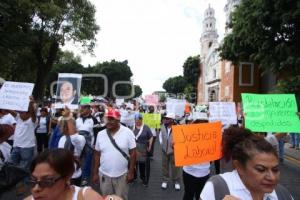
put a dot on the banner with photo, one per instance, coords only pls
(68, 90)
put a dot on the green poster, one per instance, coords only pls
(271, 112)
(151, 119)
(85, 100)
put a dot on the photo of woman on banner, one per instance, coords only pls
(68, 92)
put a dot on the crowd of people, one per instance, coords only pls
(66, 151)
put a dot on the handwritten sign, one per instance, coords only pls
(151, 99)
(152, 119)
(271, 112)
(223, 111)
(176, 106)
(15, 95)
(196, 143)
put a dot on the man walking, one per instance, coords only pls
(115, 149)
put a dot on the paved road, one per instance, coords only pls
(290, 178)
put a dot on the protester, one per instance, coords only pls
(166, 141)
(42, 130)
(55, 130)
(7, 118)
(256, 173)
(144, 139)
(115, 149)
(24, 138)
(51, 172)
(84, 125)
(195, 176)
(73, 142)
(154, 132)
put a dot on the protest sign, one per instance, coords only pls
(151, 99)
(197, 143)
(85, 100)
(119, 102)
(15, 95)
(271, 112)
(152, 119)
(176, 106)
(223, 111)
(68, 90)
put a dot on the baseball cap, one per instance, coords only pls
(138, 116)
(113, 113)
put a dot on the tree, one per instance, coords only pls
(115, 71)
(137, 91)
(191, 72)
(267, 33)
(175, 85)
(47, 26)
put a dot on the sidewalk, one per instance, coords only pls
(291, 152)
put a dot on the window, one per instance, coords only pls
(226, 91)
(210, 25)
(246, 74)
(227, 67)
(214, 73)
(209, 44)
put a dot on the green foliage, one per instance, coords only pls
(267, 33)
(32, 31)
(137, 91)
(175, 85)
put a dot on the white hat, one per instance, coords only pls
(170, 115)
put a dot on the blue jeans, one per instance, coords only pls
(22, 157)
(295, 139)
(87, 162)
(87, 155)
(281, 148)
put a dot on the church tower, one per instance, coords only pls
(209, 35)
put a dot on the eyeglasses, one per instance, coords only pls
(46, 183)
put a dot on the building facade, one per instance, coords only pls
(220, 80)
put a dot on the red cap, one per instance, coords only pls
(113, 113)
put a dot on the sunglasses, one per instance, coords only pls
(46, 183)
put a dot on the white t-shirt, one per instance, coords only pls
(8, 119)
(24, 133)
(236, 188)
(43, 125)
(198, 170)
(153, 132)
(112, 162)
(78, 141)
(5, 148)
(87, 125)
(273, 141)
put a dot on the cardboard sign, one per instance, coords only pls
(15, 95)
(152, 119)
(151, 99)
(196, 143)
(271, 112)
(223, 111)
(176, 106)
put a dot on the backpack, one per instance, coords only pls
(221, 189)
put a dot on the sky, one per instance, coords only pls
(155, 36)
